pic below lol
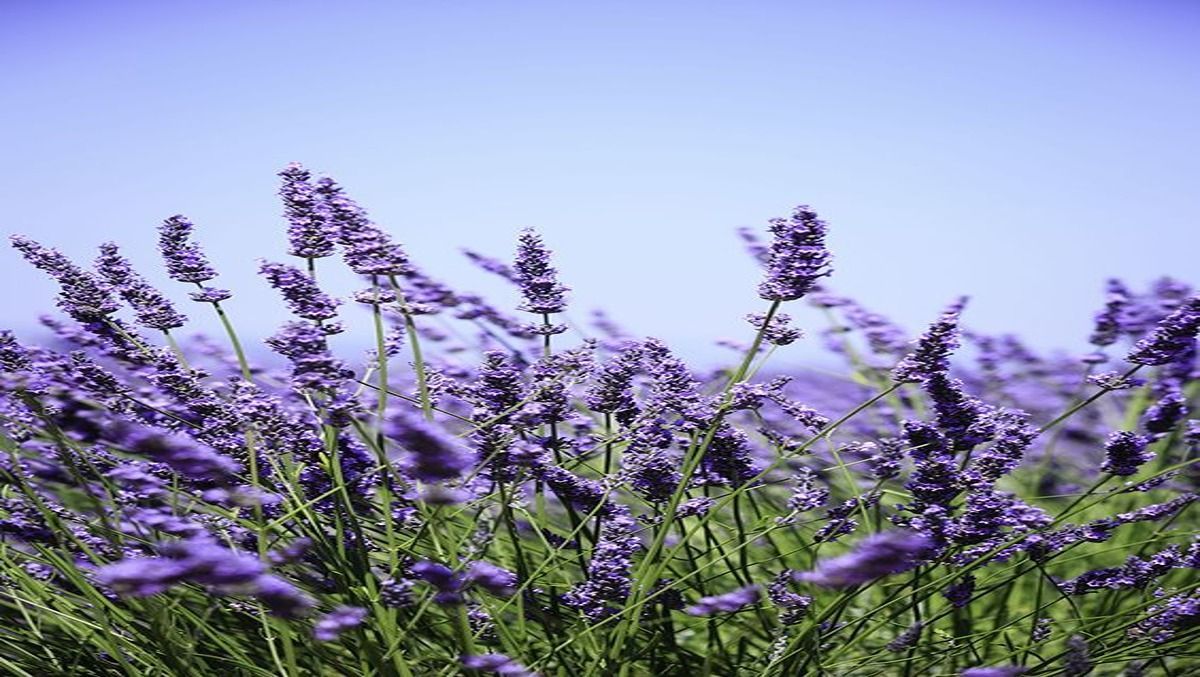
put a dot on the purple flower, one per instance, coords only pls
(205, 562)
(612, 390)
(310, 235)
(882, 554)
(1110, 322)
(182, 455)
(497, 663)
(885, 465)
(300, 291)
(931, 354)
(446, 581)
(152, 308)
(491, 265)
(1077, 662)
(185, 261)
(536, 277)
(1125, 452)
(935, 479)
(609, 579)
(305, 344)
(792, 606)
(1013, 436)
(1168, 618)
(1172, 339)
(432, 454)
(82, 295)
(959, 593)
(907, 639)
(807, 495)
(998, 671)
(492, 578)
(367, 249)
(797, 258)
(778, 331)
(396, 593)
(210, 295)
(1166, 413)
(728, 602)
(331, 626)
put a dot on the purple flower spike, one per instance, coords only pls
(433, 455)
(536, 277)
(367, 249)
(932, 352)
(1124, 453)
(152, 308)
(1172, 339)
(884, 554)
(725, 603)
(999, 671)
(309, 233)
(185, 261)
(333, 624)
(300, 291)
(797, 258)
(497, 663)
(82, 295)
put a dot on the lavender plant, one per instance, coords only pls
(485, 495)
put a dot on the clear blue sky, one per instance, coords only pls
(1019, 152)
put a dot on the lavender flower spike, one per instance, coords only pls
(1171, 339)
(82, 295)
(333, 624)
(884, 554)
(932, 352)
(301, 293)
(309, 232)
(152, 308)
(797, 258)
(1125, 452)
(367, 249)
(998, 671)
(725, 603)
(536, 277)
(185, 261)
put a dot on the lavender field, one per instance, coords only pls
(526, 491)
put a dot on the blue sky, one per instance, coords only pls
(1019, 152)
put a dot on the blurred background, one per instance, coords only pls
(1018, 152)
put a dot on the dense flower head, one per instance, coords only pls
(1110, 322)
(83, 295)
(432, 454)
(310, 234)
(300, 291)
(536, 276)
(1125, 452)
(1172, 339)
(202, 560)
(368, 250)
(724, 603)
(495, 663)
(331, 626)
(931, 354)
(313, 366)
(882, 554)
(184, 259)
(609, 576)
(797, 258)
(996, 671)
(778, 331)
(152, 308)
